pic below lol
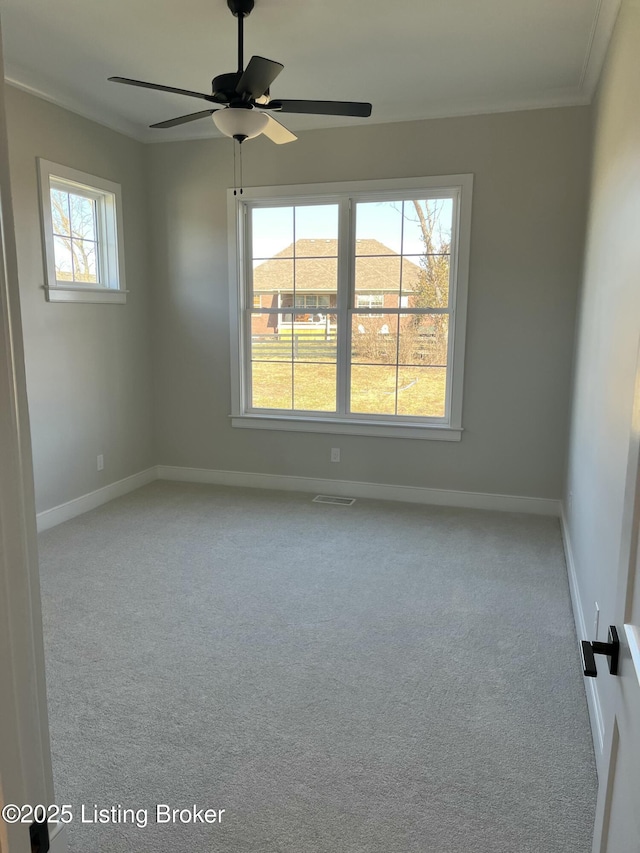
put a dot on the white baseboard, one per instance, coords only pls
(59, 842)
(57, 514)
(591, 684)
(348, 488)
(355, 489)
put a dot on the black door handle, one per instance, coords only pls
(610, 649)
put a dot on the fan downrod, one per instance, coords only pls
(240, 8)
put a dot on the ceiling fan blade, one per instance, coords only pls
(175, 91)
(172, 122)
(278, 133)
(325, 108)
(258, 76)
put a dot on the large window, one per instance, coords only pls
(82, 233)
(348, 307)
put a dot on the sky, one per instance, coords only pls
(273, 227)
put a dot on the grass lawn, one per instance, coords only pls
(420, 390)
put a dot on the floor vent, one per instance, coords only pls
(332, 499)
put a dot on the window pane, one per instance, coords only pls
(85, 262)
(425, 281)
(379, 275)
(427, 226)
(293, 361)
(314, 387)
(273, 277)
(373, 389)
(272, 385)
(379, 228)
(83, 217)
(423, 339)
(60, 212)
(272, 229)
(64, 264)
(314, 337)
(316, 230)
(271, 337)
(374, 339)
(422, 391)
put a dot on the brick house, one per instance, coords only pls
(303, 276)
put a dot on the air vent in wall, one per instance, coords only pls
(332, 499)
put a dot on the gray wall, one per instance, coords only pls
(94, 388)
(608, 332)
(88, 366)
(531, 171)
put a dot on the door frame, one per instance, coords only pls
(25, 755)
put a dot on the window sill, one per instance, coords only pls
(326, 425)
(68, 293)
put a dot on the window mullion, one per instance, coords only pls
(245, 239)
(345, 243)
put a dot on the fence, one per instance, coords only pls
(310, 346)
(373, 348)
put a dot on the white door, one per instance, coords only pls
(617, 828)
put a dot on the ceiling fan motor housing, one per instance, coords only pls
(224, 87)
(240, 7)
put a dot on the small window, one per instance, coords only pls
(372, 300)
(82, 235)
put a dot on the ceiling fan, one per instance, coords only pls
(241, 103)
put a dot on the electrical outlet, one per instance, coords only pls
(100, 462)
(596, 621)
(335, 454)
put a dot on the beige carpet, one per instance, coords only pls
(384, 678)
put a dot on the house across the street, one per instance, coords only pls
(304, 277)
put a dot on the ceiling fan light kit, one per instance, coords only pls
(240, 123)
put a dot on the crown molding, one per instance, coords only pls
(563, 98)
(19, 79)
(604, 21)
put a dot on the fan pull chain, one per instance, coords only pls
(237, 169)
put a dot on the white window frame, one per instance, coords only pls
(107, 196)
(457, 187)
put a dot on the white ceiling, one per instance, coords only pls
(411, 59)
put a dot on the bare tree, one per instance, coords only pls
(432, 287)
(423, 338)
(74, 227)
